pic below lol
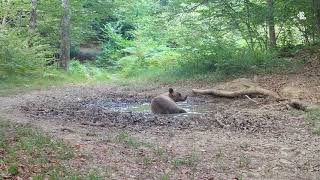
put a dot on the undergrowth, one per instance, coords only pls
(27, 153)
(314, 118)
(50, 76)
(214, 70)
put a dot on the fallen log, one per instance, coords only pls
(233, 94)
(256, 90)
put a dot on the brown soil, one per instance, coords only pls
(258, 141)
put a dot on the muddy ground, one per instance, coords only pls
(225, 139)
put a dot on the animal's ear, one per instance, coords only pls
(170, 90)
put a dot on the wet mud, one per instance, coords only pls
(133, 112)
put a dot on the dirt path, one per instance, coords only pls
(264, 141)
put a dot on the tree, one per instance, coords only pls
(33, 21)
(316, 4)
(272, 32)
(65, 35)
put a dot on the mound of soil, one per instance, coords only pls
(302, 83)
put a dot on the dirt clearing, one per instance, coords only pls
(218, 139)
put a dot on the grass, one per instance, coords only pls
(158, 154)
(189, 160)
(314, 118)
(28, 153)
(244, 161)
(165, 177)
(11, 85)
(316, 131)
(126, 139)
(220, 155)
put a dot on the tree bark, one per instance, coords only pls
(247, 22)
(4, 21)
(33, 21)
(65, 35)
(4, 18)
(316, 5)
(272, 32)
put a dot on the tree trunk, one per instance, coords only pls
(4, 18)
(316, 5)
(65, 35)
(272, 32)
(4, 21)
(247, 22)
(33, 21)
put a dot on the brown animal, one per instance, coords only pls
(166, 103)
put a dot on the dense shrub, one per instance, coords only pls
(17, 58)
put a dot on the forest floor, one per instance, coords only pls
(260, 140)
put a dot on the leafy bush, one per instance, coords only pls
(17, 58)
(113, 47)
(77, 73)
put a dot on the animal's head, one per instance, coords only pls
(176, 96)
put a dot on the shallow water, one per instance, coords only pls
(144, 107)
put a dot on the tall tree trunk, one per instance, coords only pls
(316, 5)
(65, 35)
(272, 32)
(4, 21)
(265, 27)
(4, 18)
(33, 21)
(247, 22)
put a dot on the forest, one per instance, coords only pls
(150, 38)
(159, 89)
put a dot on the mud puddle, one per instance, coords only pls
(133, 112)
(142, 106)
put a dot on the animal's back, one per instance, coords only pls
(164, 105)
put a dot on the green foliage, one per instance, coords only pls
(17, 58)
(13, 170)
(194, 43)
(113, 47)
(50, 76)
(147, 38)
(86, 72)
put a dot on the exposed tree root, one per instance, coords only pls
(233, 94)
(253, 90)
